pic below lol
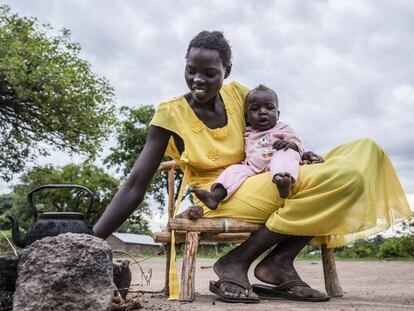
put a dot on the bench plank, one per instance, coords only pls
(213, 225)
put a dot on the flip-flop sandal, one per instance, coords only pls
(215, 289)
(283, 291)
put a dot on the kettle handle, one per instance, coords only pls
(55, 186)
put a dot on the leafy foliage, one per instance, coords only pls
(137, 223)
(397, 247)
(4, 244)
(6, 203)
(367, 248)
(131, 135)
(48, 95)
(373, 248)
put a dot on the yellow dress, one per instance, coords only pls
(352, 195)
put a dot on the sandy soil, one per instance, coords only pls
(368, 285)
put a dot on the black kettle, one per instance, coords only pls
(52, 223)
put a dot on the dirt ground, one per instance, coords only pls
(367, 285)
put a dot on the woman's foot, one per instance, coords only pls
(283, 183)
(276, 271)
(210, 199)
(233, 267)
(228, 267)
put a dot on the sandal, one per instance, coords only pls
(283, 291)
(215, 289)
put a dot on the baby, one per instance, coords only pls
(269, 145)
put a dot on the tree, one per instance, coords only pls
(131, 135)
(6, 203)
(48, 95)
(100, 183)
(137, 223)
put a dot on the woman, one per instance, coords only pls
(334, 202)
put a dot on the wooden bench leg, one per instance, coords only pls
(332, 286)
(187, 292)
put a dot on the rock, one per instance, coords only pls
(122, 276)
(6, 300)
(8, 276)
(66, 272)
(8, 272)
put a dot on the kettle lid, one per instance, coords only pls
(62, 215)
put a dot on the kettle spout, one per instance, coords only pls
(17, 238)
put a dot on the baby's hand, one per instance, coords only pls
(195, 212)
(310, 157)
(285, 145)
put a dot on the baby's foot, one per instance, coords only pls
(283, 183)
(207, 197)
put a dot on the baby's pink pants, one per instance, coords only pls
(281, 162)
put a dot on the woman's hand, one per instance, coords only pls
(309, 157)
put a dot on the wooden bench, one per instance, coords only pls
(220, 230)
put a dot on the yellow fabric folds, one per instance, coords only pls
(174, 289)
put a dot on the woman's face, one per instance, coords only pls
(204, 73)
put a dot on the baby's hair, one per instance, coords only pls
(262, 88)
(212, 40)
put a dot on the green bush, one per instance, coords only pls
(367, 248)
(4, 223)
(397, 247)
(310, 251)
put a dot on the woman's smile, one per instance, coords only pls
(199, 91)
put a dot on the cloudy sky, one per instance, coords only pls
(342, 69)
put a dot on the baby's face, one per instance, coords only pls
(261, 110)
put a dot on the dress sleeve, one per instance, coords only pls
(165, 117)
(240, 89)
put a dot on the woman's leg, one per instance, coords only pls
(277, 267)
(235, 264)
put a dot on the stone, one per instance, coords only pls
(8, 276)
(65, 272)
(122, 276)
(8, 272)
